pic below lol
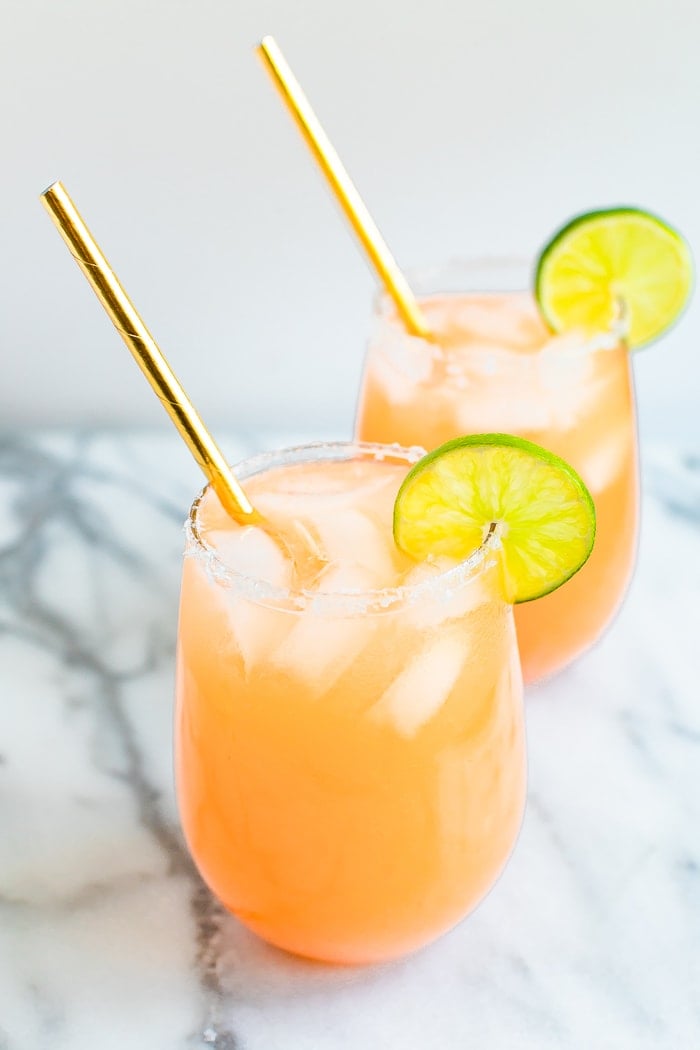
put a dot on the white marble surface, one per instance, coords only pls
(590, 940)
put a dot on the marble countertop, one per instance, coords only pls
(591, 939)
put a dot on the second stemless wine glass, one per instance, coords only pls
(350, 764)
(494, 366)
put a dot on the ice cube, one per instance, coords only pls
(423, 687)
(326, 487)
(484, 318)
(602, 462)
(352, 538)
(323, 643)
(446, 601)
(510, 321)
(252, 552)
(256, 629)
(567, 381)
(399, 365)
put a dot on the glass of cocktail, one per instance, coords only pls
(495, 365)
(464, 350)
(350, 750)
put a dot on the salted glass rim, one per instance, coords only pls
(609, 338)
(438, 587)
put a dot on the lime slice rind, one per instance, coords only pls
(543, 512)
(600, 257)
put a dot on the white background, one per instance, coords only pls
(469, 128)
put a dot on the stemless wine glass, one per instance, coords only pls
(350, 762)
(494, 366)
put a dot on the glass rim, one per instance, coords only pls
(609, 338)
(348, 602)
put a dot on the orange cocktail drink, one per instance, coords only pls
(495, 366)
(350, 750)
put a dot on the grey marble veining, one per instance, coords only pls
(591, 939)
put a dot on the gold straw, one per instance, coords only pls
(148, 356)
(343, 188)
